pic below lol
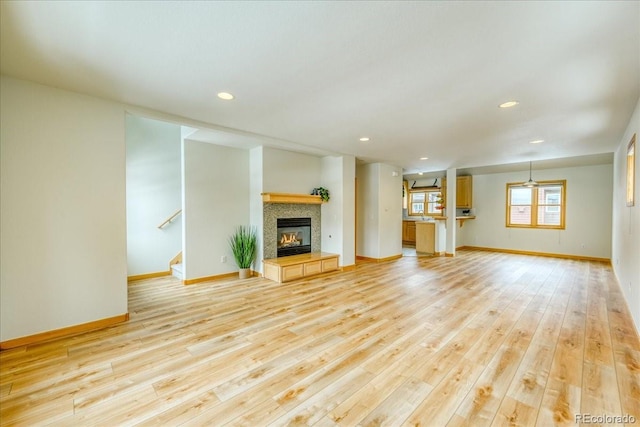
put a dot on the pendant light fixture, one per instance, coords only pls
(531, 183)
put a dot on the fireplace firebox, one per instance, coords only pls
(294, 236)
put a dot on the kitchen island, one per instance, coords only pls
(426, 237)
(429, 235)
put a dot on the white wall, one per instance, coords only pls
(368, 239)
(390, 206)
(256, 218)
(349, 210)
(153, 194)
(289, 172)
(216, 201)
(338, 216)
(588, 214)
(626, 222)
(379, 211)
(63, 240)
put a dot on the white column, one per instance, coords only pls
(451, 213)
(338, 234)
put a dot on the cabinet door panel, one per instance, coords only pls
(311, 268)
(464, 191)
(292, 272)
(330, 264)
(411, 232)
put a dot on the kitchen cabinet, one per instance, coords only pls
(408, 232)
(464, 191)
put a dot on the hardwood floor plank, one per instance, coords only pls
(399, 405)
(438, 407)
(628, 375)
(315, 407)
(242, 404)
(33, 412)
(123, 409)
(560, 402)
(483, 402)
(525, 394)
(562, 395)
(357, 406)
(600, 390)
(515, 413)
(343, 359)
(530, 380)
(261, 414)
(479, 339)
(5, 389)
(68, 384)
(182, 412)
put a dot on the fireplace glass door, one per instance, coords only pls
(294, 236)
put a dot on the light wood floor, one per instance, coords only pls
(479, 339)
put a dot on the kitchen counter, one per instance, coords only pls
(461, 218)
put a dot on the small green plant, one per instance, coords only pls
(243, 245)
(322, 192)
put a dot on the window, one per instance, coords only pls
(537, 207)
(425, 202)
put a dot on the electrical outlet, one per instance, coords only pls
(223, 258)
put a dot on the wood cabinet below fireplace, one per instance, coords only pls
(294, 267)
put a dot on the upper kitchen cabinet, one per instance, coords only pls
(464, 191)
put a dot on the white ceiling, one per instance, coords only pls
(418, 78)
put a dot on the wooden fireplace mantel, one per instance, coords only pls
(307, 199)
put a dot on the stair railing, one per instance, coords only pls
(170, 219)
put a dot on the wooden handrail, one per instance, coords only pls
(170, 219)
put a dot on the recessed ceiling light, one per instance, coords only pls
(424, 158)
(419, 173)
(226, 96)
(537, 141)
(365, 139)
(509, 104)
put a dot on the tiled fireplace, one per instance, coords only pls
(272, 238)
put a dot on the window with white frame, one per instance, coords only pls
(425, 202)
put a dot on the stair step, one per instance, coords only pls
(176, 271)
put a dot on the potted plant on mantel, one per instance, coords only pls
(322, 192)
(243, 245)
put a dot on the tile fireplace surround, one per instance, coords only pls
(273, 211)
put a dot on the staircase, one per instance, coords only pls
(176, 271)
(176, 266)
